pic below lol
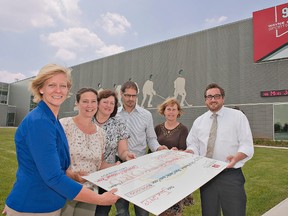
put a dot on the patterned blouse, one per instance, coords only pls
(86, 150)
(115, 130)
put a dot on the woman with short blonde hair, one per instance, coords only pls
(42, 186)
(46, 73)
(170, 102)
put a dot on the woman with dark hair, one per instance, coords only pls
(87, 144)
(116, 135)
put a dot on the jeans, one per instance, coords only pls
(122, 207)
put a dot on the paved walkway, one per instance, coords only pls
(279, 210)
(275, 147)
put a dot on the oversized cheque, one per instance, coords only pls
(158, 180)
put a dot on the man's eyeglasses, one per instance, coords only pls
(216, 97)
(130, 96)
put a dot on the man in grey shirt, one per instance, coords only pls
(140, 125)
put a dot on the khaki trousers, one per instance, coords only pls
(11, 212)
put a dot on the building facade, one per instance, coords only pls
(182, 67)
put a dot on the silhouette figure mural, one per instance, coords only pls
(117, 89)
(179, 86)
(99, 87)
(148, 90)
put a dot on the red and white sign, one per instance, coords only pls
(270, 27)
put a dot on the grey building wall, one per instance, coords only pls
(223, 55)
(3, 115)
(19, 96)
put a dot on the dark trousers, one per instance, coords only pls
(224, 192)
(122, 207)
(102, 210)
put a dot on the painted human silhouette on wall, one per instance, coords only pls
(179, 89)
(148, 90)
(117, 89)
(99, 89)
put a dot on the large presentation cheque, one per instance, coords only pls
(158, 180)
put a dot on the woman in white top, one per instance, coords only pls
(87, 144)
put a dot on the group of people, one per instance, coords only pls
(54, 154)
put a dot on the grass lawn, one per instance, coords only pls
(266, 176)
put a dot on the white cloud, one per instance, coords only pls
(34, 72)
(73, 38)
(73, 42)
(216, 20)
(9, 77)
(42, 20)
(110, 50)
(114, 24)
(19, 15)
(65, 54)
(67, 11)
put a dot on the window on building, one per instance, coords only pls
(11, 114)
(3, 92)
(10, 119)
(280, 122)
(32, 103)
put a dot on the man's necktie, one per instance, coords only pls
(212, 136)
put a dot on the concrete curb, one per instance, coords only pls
(275, 147)
(279, 210)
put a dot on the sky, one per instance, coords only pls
(34, 33)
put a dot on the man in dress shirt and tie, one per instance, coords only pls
(233, 143)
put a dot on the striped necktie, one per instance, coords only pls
(212, 137)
